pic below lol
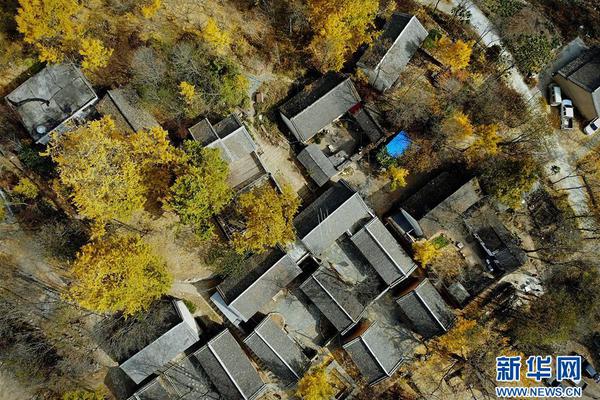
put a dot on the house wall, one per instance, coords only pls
(291, 127)
(582, 99)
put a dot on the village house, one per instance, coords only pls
(237, 147)
(580, 80)
(239, 298)
(318, 105)
(52, 98)
(427, 312)
(377, 351)
(122, 105)
(280, 353)
(229, 368)
(389, 54)
(165, 348)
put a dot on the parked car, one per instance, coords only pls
(566, 114)
(555, 95)
(592, 127)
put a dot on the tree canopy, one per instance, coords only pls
(57, 28)
(424, 251)
(110, 174)
(315, 384)
(339, 27)
(202, 190)
(118, 274)
(456, 55)
(508, 179)
(268, 218)
(398, 177)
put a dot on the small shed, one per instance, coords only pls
(319, 167)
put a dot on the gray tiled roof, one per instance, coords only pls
(126, 104)
(229, 368)
(383, 252)
(378, 352)
(65, 90)
(333, 298)
(319, 167)
(158, 353)
(277, 350)
(584, 70)
(426, 310)
(368, 125)
(336, 211)
(229, 135)
(248, 293)
(184, 380)
(393, 49)
(319, 104)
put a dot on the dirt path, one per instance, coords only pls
(10, 389)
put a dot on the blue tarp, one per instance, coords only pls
(398, 145)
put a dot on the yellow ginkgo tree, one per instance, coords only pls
(268, 218)
(56, 29)
(110, 174)
(340, 27)
(118, 274)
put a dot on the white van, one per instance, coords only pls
(555, 95)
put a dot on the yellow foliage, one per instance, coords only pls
(149, 9)
(398, 176)
(95, 55)
(269, 218)
(219, 39)
(486, 143)
(187, 91)
(110, 174)
(455, 55)
(118, 273)
(50, 25)
(458, 126)
(315, 385)
(26, 188)
(339, 26)
(424, 252)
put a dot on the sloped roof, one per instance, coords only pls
(336, 211)
(377, 353)
(185, 380)
(319, 167)
(333, 298)
(50, 97)
(248, 293)
(402, 36)
(320, 103)
(426, 310)
(123, 106)
(277, 350)
(158, 353)
(229, 135)
(383, 252)
(229, 368)
(368, 124)
(584, 70)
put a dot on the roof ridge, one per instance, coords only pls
(214, 353)
(276, 353)
(427, 306)
(324, 95)
(366, 227)
(332, 298)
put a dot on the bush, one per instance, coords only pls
(190, 305)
